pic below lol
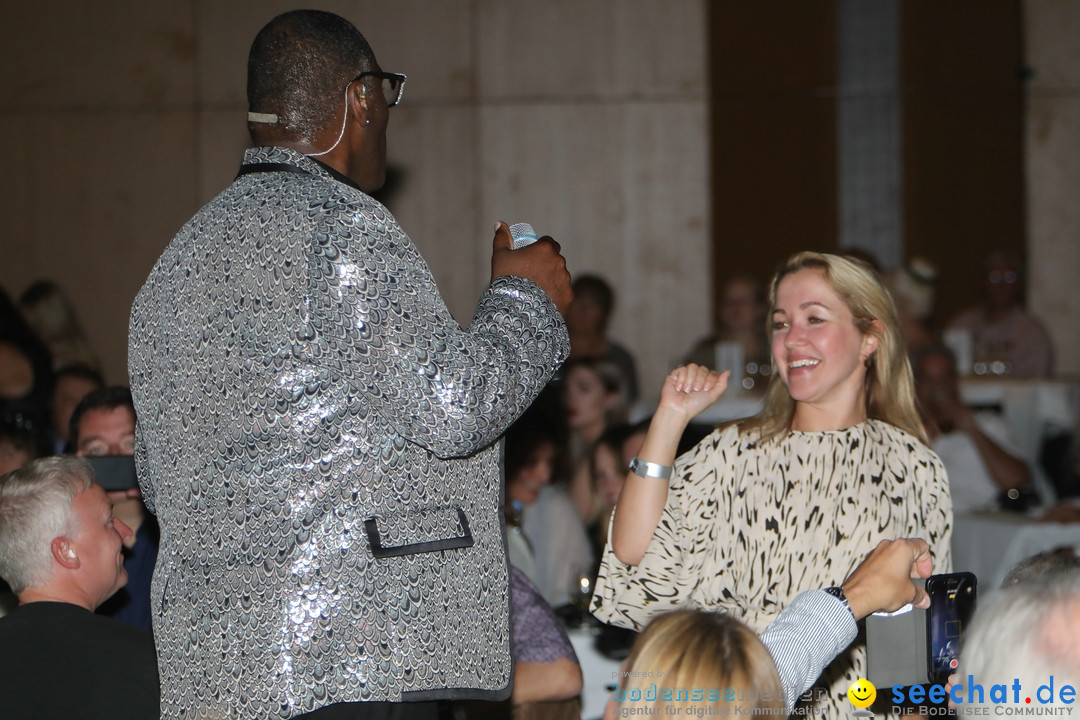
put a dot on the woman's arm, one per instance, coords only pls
(686, 392)
(546, 681)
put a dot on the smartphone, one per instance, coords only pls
(952, 603)
(114, 472)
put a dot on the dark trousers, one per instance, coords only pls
(375, 711)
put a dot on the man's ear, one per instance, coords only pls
(63, 551)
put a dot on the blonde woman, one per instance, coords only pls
(701, 663)
(713, 665)
(789, 500)
(49, 311)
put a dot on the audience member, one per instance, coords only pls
(558, 548)
(1060, 458)
(25, 375)
(71, 384)
(912, 288)
(587, 322)
(607, 471)
(977, 450)
(18, 446)
(49, 312)
(1061, 512)
(1005, 338)
(103, 423)
(60, 549)
(734, 672)
(740, 319)
(545, 666)
(592, 399)
(530, 458)
(766, 507)
(547, 676)
(1041, 564)
(1025, 633)
(697, 663)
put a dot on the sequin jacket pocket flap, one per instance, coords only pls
(426, 530)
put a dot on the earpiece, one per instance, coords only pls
(361, 97)
(70, 554)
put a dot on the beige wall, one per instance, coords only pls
(587, 119)
(1052, 150)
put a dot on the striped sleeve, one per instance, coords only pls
(805, 637)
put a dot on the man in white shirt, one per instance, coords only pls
(979, 455)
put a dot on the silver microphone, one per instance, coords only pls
(523, 235)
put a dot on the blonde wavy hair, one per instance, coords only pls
(890, 389)
(696, 659)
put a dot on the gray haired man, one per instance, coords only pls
(60, 552)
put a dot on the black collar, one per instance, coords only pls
(250, 168)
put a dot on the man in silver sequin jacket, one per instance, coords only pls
(317, 435)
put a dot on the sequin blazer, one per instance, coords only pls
(318, 438)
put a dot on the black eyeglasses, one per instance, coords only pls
(393, 85)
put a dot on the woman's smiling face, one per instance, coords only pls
(817, 349)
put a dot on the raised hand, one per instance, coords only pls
(691, 389)
(686, 392)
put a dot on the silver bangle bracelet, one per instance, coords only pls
(643, 468)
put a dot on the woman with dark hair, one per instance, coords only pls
(546, 538)
(593, 398)
(25, 375)
(790, 499)
(587, 322)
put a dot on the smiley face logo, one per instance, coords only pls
(862, 693)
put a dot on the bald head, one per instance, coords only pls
(298, 68)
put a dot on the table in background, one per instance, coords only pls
(989, 544)
(598, 672)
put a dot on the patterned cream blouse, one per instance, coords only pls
(749, 524)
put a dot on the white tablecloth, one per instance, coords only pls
(990, 544)
(599, 673)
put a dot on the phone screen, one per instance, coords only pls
(952, 603)
(114, 472)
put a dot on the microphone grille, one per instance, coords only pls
(523, 235)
